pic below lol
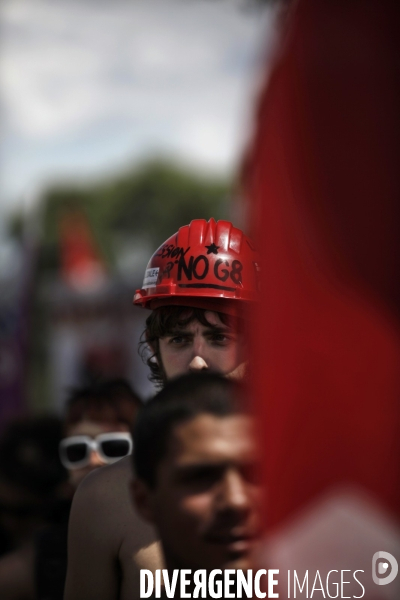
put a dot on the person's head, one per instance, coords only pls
(196, 476)
(30, 473)
(180, 339)
(97, 425)
(200, 285)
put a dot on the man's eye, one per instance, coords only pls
(201, 479)
(178, 339)
(221, 338)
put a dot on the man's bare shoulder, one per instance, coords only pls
(108, 541)
(106, 479)
(103, 499)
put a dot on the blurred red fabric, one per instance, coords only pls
(324, 185)
(82, 265)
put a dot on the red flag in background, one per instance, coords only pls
(324, 180)
(81, 262)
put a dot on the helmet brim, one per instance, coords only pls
(234, 308)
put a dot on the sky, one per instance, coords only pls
(89, 87)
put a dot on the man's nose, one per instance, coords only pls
(198, 363)
(234, 495)
(95, 459)
(199, 359)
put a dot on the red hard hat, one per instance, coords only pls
(207, 265)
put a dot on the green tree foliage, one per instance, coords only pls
(149, 203)
(161, 198)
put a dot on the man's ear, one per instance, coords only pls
(142, 499)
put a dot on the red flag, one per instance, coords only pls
(81, 262)
(324, 184)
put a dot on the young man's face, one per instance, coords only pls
(205, 503)
(197, 347)
(91, 429)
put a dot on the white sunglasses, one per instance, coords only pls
(75, 451)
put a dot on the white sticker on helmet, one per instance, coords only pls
(150, 278)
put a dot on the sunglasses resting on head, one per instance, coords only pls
(75, 451)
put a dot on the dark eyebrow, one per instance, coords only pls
(200, 465)
(208, 331)
(177, 331)
(195, 472)
(198, 469)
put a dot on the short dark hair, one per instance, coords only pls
(114, 399)
(180, 400)
(163, 321)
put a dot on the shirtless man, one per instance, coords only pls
(199, 286)
(196, 472)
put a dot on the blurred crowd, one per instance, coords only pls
(42, 461)
(79, 519)
(300, 329)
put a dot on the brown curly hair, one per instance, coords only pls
(161, 322)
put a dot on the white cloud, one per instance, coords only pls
(142, 73)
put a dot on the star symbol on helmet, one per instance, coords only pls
(212, 249)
